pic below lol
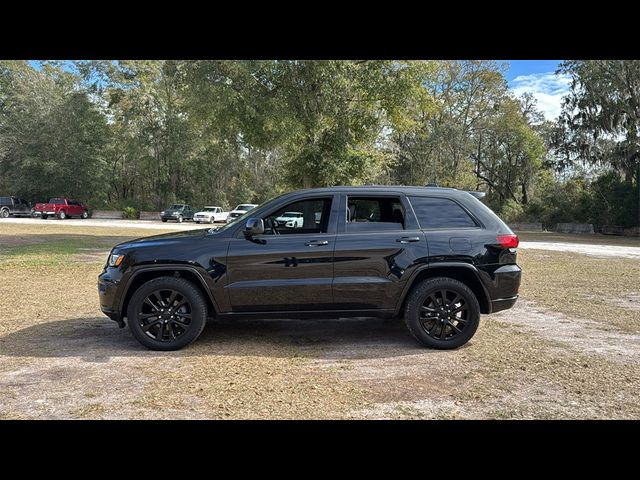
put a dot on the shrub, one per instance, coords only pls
(129, 213)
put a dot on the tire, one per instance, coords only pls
(180, 219)
(44, 217)
(212, 220)
(198, 222)
(197, 308)
(62, 215)
(85, 215)
(164, 220)
(4, 213)
(426, 317)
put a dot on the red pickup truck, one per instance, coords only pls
(62, 208)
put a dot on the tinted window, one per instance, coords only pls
(374, 213)
(435, 212)
(305, 216)
(5, 201)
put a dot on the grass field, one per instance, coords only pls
(569, 349)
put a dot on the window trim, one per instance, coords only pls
(478, 224)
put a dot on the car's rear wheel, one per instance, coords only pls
(164, 220)
(442, 313)
(4, 213)
(62, 215)
(167, 313)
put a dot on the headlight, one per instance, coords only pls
(162, 212)
(175, 214)
(115, 260)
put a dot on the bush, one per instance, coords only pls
(130, 213)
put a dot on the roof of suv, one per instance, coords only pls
(415, 190)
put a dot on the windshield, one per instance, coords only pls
(209, 209)
(244, 207)
(175, 207)
(57, 201)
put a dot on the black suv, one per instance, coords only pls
(14, 206)
(177, 212)
(438, 257)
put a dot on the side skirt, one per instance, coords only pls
(307, 314)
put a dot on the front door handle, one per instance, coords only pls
(407, 239)
(316, 243)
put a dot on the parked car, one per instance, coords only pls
(438, 257)
(210, 215)
(177, 212)
(61, 208)
(291, 220)
(239, 211)
(14, 206)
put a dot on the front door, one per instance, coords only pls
(290, 266)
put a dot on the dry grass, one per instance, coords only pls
(61, 358)
(601, 289)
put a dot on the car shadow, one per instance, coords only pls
(98, 340)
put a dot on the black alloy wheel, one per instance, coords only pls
(442, 313)
(167, 313)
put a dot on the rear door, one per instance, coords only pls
(287, 268)
(377, 247)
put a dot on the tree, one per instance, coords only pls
(603, 112)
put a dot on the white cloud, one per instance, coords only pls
(547, 88)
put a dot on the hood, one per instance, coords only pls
(171, 210)
(164, 239)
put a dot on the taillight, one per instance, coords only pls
(508, 240)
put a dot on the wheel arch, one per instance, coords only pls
(462, 272)
(142, 276)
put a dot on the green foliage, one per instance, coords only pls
(139, 135)
(130, 213)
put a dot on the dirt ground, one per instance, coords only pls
(570, 348)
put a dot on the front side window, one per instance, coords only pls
(374, 214)
(305, 216)
(440, 213)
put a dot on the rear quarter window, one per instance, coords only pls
(435, 212)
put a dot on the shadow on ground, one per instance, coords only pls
(97, 340)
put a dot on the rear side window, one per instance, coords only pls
(374, 214)
(433, 212)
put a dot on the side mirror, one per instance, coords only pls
(254, 226)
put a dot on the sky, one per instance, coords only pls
(538, 78)
(530, 76)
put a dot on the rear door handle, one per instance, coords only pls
(316, 243)
(407, 239)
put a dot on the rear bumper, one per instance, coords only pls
(503, 304)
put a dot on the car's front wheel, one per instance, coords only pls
(442, 313)
(4, 213)
(85, 215)
(180, 219)
(62, 215)
(167, 313)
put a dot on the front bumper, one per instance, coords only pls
(40, 212)
(198, 218)
(107, 293)
(169, 217)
